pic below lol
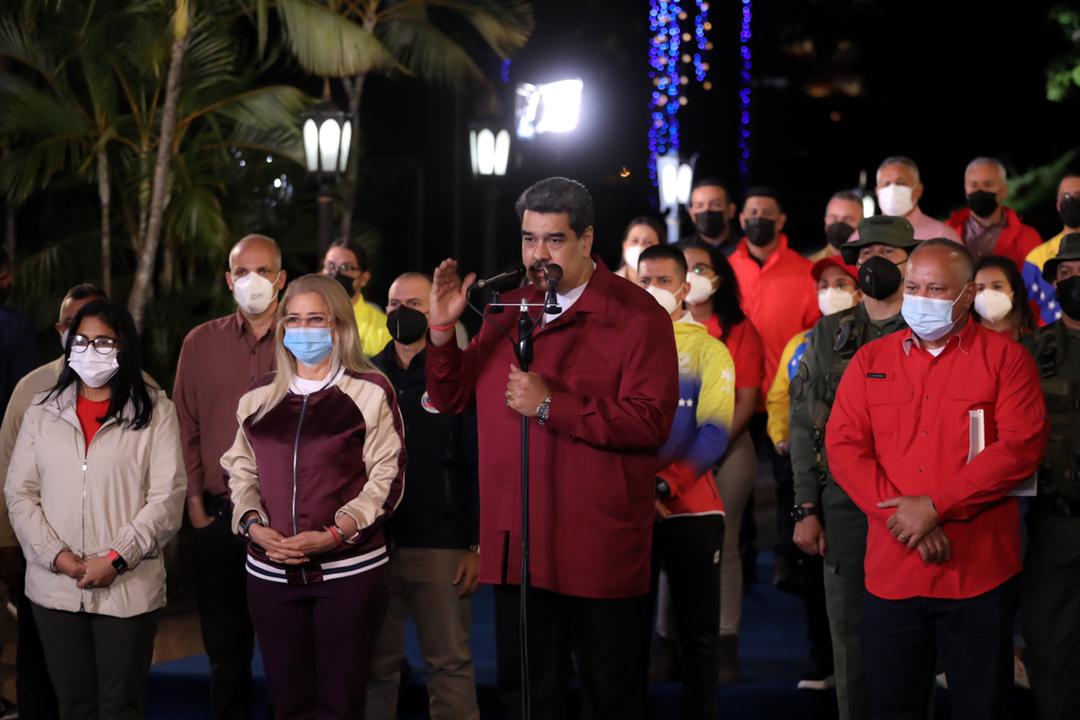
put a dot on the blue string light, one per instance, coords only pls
(745, 37)
(669, 67)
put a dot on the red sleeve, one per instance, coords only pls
(744, 343)
(451, 372)
(1010, 458)
(811, 312)
(849, 444)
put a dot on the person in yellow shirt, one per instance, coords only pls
(1038, 289)
(347, 263)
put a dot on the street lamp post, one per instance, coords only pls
(327, 142)
(489, 151)
(674, 180)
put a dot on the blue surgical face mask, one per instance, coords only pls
(929, 318)
(309, 345)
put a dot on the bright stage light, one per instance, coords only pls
(548, 108)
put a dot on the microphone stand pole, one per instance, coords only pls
(524, 351)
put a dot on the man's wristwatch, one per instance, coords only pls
(801, 512)
(118, 562)
(543, 410)
(663, 490)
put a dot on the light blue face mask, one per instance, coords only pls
(309, 345)
(929, 318)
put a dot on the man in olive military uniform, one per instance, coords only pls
(1051, 601)
(827, 522)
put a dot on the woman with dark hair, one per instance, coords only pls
(1002, 300)
(640, 233)
(95, 489)
(714, 301)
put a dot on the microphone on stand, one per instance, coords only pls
(553, 273)
(514, 272)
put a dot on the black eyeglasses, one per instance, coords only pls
(102, 345)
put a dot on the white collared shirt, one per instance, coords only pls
(567, 300)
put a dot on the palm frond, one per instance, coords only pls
(505, 26)
(328, 45)
(428, 52)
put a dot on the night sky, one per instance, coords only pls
(941, 82)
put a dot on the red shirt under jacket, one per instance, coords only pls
(900, 426)
(1015, 241)
(612, 368)
(779, 297)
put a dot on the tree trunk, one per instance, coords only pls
(354, 90)
(106, 239)
(140, 289)
(144, 193)
(168, 264)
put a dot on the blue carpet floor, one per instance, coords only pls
(773, 649)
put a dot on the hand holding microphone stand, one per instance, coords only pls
(523, 350)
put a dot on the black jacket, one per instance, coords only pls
(441, 504)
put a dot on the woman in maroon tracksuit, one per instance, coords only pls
(316, 469)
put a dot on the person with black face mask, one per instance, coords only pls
(1049, 602)
(781, 299)
(842, 217)
(986, 226)
(434, 534)
(712, 211)
(828, 523)
(1040, 290)
(347, 263)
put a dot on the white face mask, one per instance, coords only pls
(93, 368)
(993, 305)
(701, 288)
(895, 200)
(929, 318)
(630, 255)
(254, 293)
(833, 300)
(666, 299)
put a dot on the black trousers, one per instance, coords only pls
(221, 593)
(817, 617)
(689, 548)
(972, 638)
(37, 699)
(98, 663)
(607, 638)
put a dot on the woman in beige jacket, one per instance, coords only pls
(94, 489)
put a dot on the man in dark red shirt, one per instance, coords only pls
(219, 361)
(603, 388)
(931, 429)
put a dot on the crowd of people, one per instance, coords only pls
(914, 388)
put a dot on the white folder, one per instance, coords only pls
(977, 438)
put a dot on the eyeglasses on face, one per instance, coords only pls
(101, 344)
(314, 320)
(334, 268)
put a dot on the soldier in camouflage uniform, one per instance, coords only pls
(1051, 596)
(827, 522)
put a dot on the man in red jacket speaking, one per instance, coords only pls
(601, 394)
(931, 429)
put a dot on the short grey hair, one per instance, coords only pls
(897, 160)
(988, 161)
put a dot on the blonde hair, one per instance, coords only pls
(347, 348)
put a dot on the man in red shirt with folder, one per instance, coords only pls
(943, 538)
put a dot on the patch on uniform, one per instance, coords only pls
(425, 402)
(877, 376)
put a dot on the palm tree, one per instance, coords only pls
(116, 84)
(350, 39)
